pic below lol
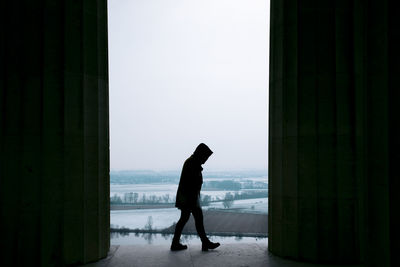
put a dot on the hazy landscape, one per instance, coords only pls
(143, 202)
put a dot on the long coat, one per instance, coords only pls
(188, 194)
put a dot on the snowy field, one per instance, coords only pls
(162, 189)
(163, 218)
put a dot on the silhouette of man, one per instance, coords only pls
(188, 198)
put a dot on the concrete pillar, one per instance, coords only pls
(332, 130)
(382, 133)
(54, 160)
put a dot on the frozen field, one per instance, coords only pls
(256, 205)
(162, 189)
(163, 218)
(148, 189)
(132, 219)
(216, 216)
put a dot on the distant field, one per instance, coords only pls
(142, 206)
(255, 205)
(140, 198)
(219, 222)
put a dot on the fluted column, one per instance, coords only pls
(381, 70)
(312, 176)
(333, 145)
(54, 160)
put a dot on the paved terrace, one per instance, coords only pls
(246, 254)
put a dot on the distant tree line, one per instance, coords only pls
(229, 198)
(134, 198)
(233, 185)
(205, 200)
(143, 177)
(222, 185)
(250, 194)
(148, 176)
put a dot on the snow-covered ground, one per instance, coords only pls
(163, 218)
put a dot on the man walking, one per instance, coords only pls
(188, 198)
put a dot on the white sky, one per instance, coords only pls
(184, 72)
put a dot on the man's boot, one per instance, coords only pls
(176, 245)
(207, 244)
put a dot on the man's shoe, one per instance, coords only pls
(178, 246)
(209, 245)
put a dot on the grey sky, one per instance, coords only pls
(184, 72)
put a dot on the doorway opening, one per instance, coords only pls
(182, 73)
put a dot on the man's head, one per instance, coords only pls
(202, 153)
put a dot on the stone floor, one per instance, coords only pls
(246, 254)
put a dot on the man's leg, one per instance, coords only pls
(185, 214)
(198, 219)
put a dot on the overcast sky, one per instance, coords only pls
(184, 72)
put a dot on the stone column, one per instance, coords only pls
(332, 147)
(54, 160)
(381, 69)
(312, 196)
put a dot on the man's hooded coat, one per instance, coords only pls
(188, 194)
